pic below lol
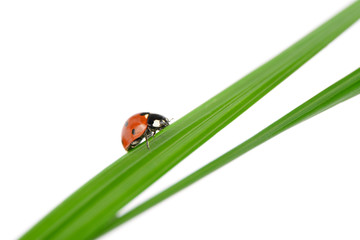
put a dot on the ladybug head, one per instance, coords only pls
(157, 121)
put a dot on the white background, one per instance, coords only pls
(72, 72)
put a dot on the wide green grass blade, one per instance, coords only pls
(91, 207)
(342, 90)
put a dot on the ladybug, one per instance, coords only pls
(140, 126)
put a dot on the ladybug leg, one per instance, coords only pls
(147, 141)
(148, 134)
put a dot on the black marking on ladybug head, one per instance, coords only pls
(126, 123)
(157, 122)
(133, 131)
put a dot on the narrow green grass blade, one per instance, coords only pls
(92, 206)
(342, 90)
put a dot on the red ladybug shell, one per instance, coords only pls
(134, 128)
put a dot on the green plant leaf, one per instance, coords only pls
(342, 90)
(95, 204)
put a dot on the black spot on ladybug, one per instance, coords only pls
(143, 113)
(126, 123)
(133, 131)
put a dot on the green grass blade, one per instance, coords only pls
(342, 90)
(92, 206)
